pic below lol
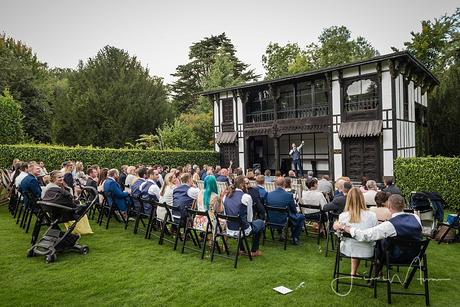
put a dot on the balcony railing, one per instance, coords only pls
(366, 104)
(260, 116)
(288, 113)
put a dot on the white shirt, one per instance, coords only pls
(18, 180)
(312, 197)
(325, 186)
(153, 189)
(193, 192)
(369, 197)
(298, 148)
(247, 201)
(379, 232)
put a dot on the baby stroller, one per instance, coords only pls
(55, 240)
(429, 207)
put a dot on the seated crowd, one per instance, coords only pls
(365, 212)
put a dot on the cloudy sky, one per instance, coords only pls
(159, 33)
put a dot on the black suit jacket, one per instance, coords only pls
(122, 180)
(91, 183)
(257, 202)
(337, 205)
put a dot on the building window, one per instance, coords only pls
(312, 99)
(361, 95)
(405, 100)
(227, 110)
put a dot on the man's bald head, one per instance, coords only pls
(279, 182)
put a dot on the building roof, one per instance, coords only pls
(361, 129)
(395, 55)
(226, 137)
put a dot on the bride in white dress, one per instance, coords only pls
(357, 215)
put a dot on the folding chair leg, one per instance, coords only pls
(237, 250)
(178, 234)
(205, 239)
(247, 247)
(185, 239)
(24, 217)
(29, 221)
(213, 248)
(425, 281)
(285, 230)
(21, 208)
(162, 233)
(389, 285)
(36, 230)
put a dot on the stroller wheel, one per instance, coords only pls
(84, 250)
(50, 258)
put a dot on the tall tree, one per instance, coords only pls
(191, 76)
(277, 59)
(437, 45)
(111, 100)
(443, 114)
(27, 80)
(335, 46)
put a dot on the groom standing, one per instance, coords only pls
(295, 155)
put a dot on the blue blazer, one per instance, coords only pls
(281, 199)
(116, 195)
(30, 185)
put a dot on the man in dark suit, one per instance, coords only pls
(92, 177)
(30, 184)
(115, 194)
(257, 204)
(337, 205)
(123, 174)
(390, 187)
(282, 199)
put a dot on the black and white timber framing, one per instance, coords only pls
(355, 119)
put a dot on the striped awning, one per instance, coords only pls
(226, 137)
(361, 129)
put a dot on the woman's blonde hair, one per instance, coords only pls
(355, 204)
(169, 181)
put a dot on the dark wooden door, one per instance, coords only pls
(228, 152)
(362, 158)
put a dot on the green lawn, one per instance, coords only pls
(125, 269)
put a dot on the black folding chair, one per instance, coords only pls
(172, 218)
(192, 232)
(413, 256)
(339, 256)
(108, 209)
(271, 215)
(330, 234)
(221, 233)
(318, 217)
(138, 204)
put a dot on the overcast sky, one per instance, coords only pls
(159, 33)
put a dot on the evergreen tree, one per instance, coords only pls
(108, 101)
(28, 82)
(191, 77)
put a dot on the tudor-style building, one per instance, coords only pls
(355, 119)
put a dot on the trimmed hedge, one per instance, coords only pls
(431, 174)
(53, 156)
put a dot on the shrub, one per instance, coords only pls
(53, 156)
(10, 119)
(432, 174)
